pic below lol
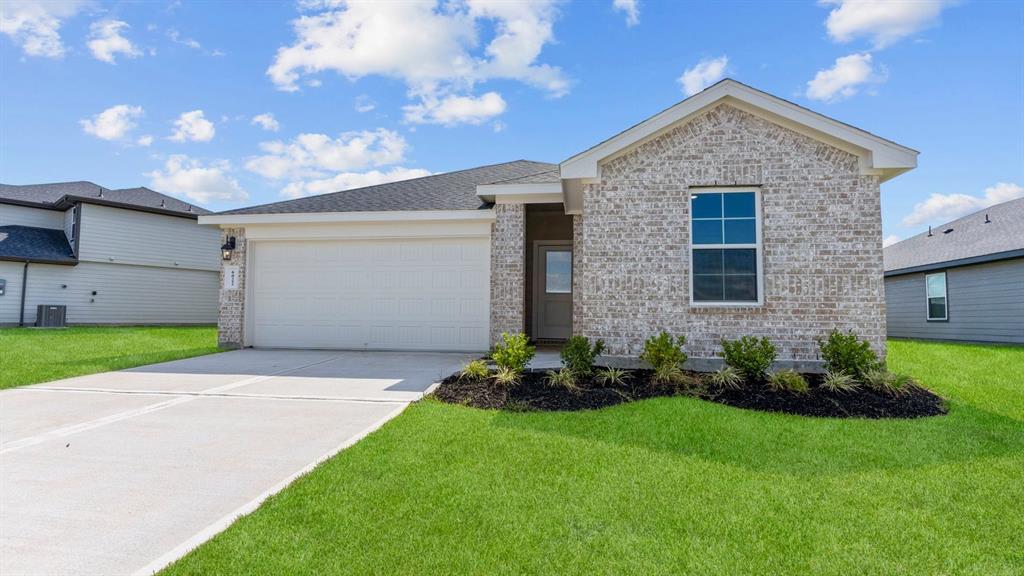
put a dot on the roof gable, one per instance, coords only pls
(877, 155)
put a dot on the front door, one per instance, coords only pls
(552, 307)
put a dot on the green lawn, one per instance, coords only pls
(671, 485)
(29, 355)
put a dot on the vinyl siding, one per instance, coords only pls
(116, 235)
(124, 294)
(985, 304)
(11, 215)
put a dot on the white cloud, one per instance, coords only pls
(631, 8)
(35, 25)
(317, 155)
(193, 126)
(844, 79)
(890, 240)
(145, 140)
(705, 73)
(106, 41)
(882, 21)
(177, 38)
(349, 180)
(364, 104)
(941, 208)
(200, 183)
(267, 122)
(452, 110)
(114, 123)
(431, 46)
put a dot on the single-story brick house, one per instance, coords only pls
(962, 281)
(731, 213)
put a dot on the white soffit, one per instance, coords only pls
(525, 193)
(878, 156)
(225, 220)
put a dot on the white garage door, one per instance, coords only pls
(417, 294)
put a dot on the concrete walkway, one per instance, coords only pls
(123, 472)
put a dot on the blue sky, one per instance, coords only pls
(231, 104)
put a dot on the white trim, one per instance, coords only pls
(945, 296)
(230, 220)
(879, 156)
(758, 245)
(526, 193)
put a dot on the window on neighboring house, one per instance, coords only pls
(935, 288)
(725, 247)
(74, 223)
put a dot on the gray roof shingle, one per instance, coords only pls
(447, 191)
(26, 243)
(54, 194)
(970, 237)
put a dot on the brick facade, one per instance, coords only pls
(822, 241)
(231, 324)
(508, 270)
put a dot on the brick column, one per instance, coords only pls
(508, 270)
(231, 320)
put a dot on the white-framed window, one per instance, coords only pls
(936, 303)
(725, 247)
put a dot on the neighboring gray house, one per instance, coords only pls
(960, 281)
(731, 213)
(130, 256)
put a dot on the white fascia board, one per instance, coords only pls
(342, 217)
(879, 156)
(526, 193)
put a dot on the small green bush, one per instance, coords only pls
(475, 370)
(514, 353)
(612, 376)
(788, 380)
(563, 378)
(753, 357)
(579, 355)
(844, 352)
(839, 382)
(727, 377)
(885, 381)
(670, 374)
(507, 377)
(663, 350)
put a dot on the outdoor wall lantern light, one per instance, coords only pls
(228, 248)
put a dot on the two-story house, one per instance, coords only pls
(131, 256)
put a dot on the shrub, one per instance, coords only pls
(727, 377)
(753, 357)
(612, 376)
(507, 377)
(579, 355)
(670, 374)
(844, 352)
(839, 382)
(663, 350)
(563, 378)
(514, 353)
(475, 370)
(788, 380)
(885, 381)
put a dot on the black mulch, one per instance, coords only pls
(534, 393)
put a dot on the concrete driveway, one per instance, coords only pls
(123, 472)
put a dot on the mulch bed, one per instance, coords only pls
(534, 393)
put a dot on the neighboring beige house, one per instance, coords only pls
(731, 213)
(131, 256)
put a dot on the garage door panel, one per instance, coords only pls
(389, 294)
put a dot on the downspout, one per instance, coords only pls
(24, 285)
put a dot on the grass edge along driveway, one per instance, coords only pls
(671, 485)
(30, 355)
